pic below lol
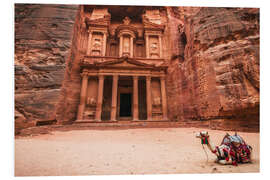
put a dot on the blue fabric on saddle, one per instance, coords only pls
(228, 139)
(239, 153)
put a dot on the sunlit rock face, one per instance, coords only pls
(218, 72)
(42, 40)
(212, 56)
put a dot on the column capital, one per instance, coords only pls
(162, 77)
(148, 78)
(135, 77)
(101, 76)
(115, 76)
(84, 74)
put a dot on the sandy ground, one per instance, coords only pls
(130, 151)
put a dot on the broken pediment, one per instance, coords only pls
(152, 20)
(153, 16)
(99, 14)
(98, 17)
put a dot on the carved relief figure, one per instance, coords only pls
(126, 20)
(154, 47)
(91, 101)
(96, 45)
(126, 46)
(157, 101)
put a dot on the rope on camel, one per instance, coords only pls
(205, 153)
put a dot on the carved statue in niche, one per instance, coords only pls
(126, 20)
(154, 47)
(91, 101)
(126, 46)
(156, 101)
(96, 47)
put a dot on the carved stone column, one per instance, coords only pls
(100, 97)
(120, 46)
(149, 98)
(160, 46)
(85, 42)
(131, 46)
(164, 98)
(114, 97)
(82, 96)
(135, 98)
(147, 45)
(89, 43)
(104, 44)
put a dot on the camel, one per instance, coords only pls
(232, 150)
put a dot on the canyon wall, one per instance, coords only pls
(42, 41)
(218, 73)
(213, 74)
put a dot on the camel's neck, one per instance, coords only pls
(210, 145)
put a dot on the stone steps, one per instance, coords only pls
(128, 124)
(112, 125)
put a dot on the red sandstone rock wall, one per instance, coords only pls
(42, 41)
(219, 74)
(213, 73)
(66, 110)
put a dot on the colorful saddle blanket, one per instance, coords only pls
(236, 147)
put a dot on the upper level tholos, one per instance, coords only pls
(123, 31)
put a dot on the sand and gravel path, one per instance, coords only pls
(128, 151)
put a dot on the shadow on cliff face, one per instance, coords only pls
(218, 81)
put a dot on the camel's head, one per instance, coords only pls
(202, 135)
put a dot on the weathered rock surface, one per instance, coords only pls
(213, 74)
(218, 73)
(42, 41)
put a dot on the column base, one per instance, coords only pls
(165, 119)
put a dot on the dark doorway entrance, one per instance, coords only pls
(125, 105)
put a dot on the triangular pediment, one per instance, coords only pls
(122, 63)
(128, 63)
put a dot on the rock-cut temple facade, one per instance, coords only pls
(184, 66)
(123, 67)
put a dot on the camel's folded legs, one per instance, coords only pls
(224, 162)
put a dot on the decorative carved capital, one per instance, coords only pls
(84, 74)
(115, 76)
(162, 78)
(135, 78)
(101, 77)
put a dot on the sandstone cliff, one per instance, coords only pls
(218, 72)
(213, 74)
(42, 41)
